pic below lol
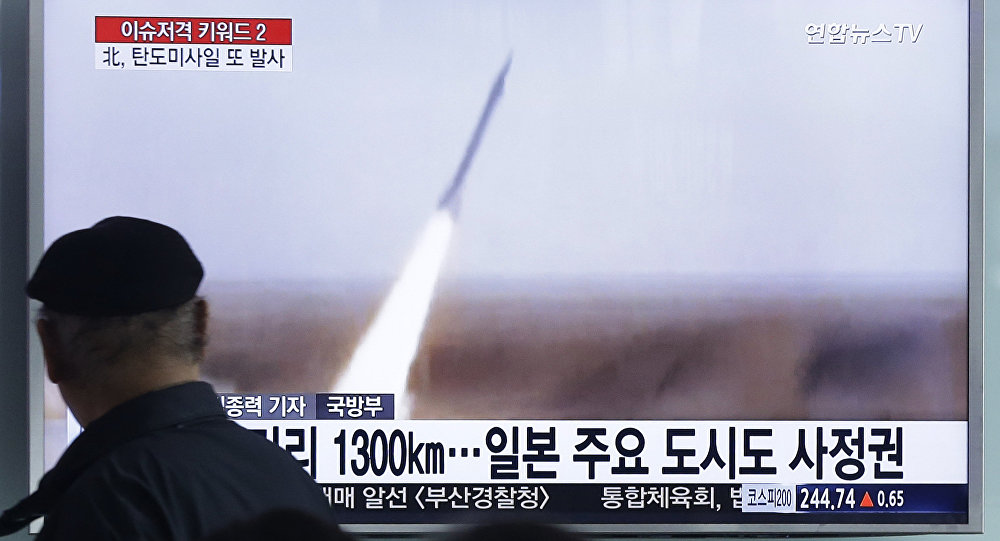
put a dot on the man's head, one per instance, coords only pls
(120, 316)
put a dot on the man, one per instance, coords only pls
(123, 334)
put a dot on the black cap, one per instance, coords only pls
(120, 266)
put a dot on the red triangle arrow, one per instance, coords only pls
(867, 501)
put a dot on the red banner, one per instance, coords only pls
(215, 30)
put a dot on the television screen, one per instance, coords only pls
(677, 266)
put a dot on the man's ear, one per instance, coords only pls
(56, 362)
(201, 317)
(201, 326)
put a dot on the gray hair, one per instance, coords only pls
(102, 342)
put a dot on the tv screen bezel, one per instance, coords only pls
(976, 262)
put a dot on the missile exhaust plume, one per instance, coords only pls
(381, 362)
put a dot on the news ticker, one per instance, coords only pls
(651, 503)
(375, 468)
(790, 453)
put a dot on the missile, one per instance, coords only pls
(451, 199)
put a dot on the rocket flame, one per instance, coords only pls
(381, 362)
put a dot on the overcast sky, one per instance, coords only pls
(653, 138)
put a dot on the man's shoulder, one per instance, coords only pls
(209, 450)
(110, 499)
(197, 476)
(216, 440)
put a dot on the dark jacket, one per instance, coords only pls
(165, 465)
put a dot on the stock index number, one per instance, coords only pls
(846, 498)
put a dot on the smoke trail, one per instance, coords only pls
(381, 362)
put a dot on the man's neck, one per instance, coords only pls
(92, 400)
